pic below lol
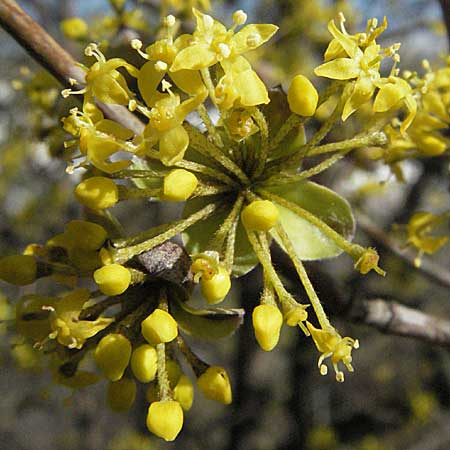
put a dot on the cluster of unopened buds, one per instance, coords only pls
(243, 185)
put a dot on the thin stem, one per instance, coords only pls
(203, 113)
(218, 240)
(314, 299)
(293, 160)
(121, 255)
(206, 75)
(163, 377)
(201, 144)
(263, 255)
(292, 121)
(375, 138)
(261, 156)
(352, 249)
(278, 180)
(129, 193)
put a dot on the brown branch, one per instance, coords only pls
(394, 318)
(428, 268)
(47, 52)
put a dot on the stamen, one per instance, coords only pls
(169, 21)
(239, 17)
(253, 40)
(160, 66)
(136, 44)
(224, 50)
(208, 22)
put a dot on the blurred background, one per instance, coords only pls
(399, 395)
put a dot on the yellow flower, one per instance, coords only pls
(420, 227)
(360, 65)
(159, 327)
(165, 419)
(103, 81)
(217, 287)
(112, 355)
(267, 321)
(212, 43)
(260, 215)
(392, 91)
(329, 342)
(144, 363)
(165, 124)
(215, 385)
(97, 193)
(179, 185)
(67, 328)
(99, 138)
(112, 279)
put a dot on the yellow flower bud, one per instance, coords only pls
(260, 215)
(85, 235)
(215, 385)
(144, 363)
(97, 193)
(165, 419)
(18, 269)
(216, 288)
(112, 355)
(267, 321)
(184, 392)
(121, 394)
(74, 28)
(159, 327)
(112, 279)
(179, 185)
(302, 96)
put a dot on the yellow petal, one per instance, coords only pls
(251, 90)
(350, 46)
(338, 69)
(252, 36)
(172, 145)
(188, 81)
(194, 57)
(148, 81)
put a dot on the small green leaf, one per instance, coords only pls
(206, 324)
(309, 242)
(197, 238)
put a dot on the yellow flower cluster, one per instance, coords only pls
(244, 185)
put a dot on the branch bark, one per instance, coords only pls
(47, 52)
(394, 318)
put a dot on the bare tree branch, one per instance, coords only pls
(400, 320)
(47, 52)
